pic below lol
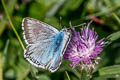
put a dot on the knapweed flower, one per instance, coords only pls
(84, 48)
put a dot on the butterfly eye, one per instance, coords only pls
(66, 29)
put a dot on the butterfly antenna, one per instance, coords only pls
(80, 25)
(70, 25)
(89, 23)
(72, 28)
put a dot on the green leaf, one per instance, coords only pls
(43, 77)
(53, 21)
(55, 8)
(34, 10)
(75, 4)
(111, 70)
(5, 51)
(2, 26)
(1, 70)
(22, 69)
(9, 74)
(10, 8)
(114, 36)
(75, 72)
(33, 71)
(47, 3)
(105, 77)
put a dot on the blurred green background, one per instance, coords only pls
(104, 13)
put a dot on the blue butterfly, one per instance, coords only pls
(45, 44)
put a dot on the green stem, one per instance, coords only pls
(1, 75)
(6, 11)
(85, 75)
(67, 75)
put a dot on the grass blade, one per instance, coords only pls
(6, 11)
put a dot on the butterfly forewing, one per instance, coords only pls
(45, 44)
(35, 30)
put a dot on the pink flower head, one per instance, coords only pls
(83, 46)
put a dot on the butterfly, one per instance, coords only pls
(45, 45)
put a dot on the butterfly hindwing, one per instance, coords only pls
(45, 44)
(39, 54)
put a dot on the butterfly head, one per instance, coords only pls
(67, 31)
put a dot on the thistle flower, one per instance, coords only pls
(84, 48)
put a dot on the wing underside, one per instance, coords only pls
(47, 55)
(45, 44)
(35, 30)
(39, 54)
